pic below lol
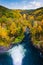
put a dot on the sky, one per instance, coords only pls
(22, 4)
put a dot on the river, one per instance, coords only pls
(22, 54)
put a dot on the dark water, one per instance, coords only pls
(22, 54)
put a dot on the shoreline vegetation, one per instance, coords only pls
(14, 23)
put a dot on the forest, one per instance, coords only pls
(14, 23)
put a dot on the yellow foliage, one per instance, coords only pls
(42, 22)
(39, 28)
(13, 28)
(35, 24)
(3, 32)
(36, 12)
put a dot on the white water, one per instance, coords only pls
(17, 54)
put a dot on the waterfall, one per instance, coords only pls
(17, 54)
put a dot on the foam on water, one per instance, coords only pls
(17, 54)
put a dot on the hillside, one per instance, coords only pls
(37, 13)
(14, 23)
